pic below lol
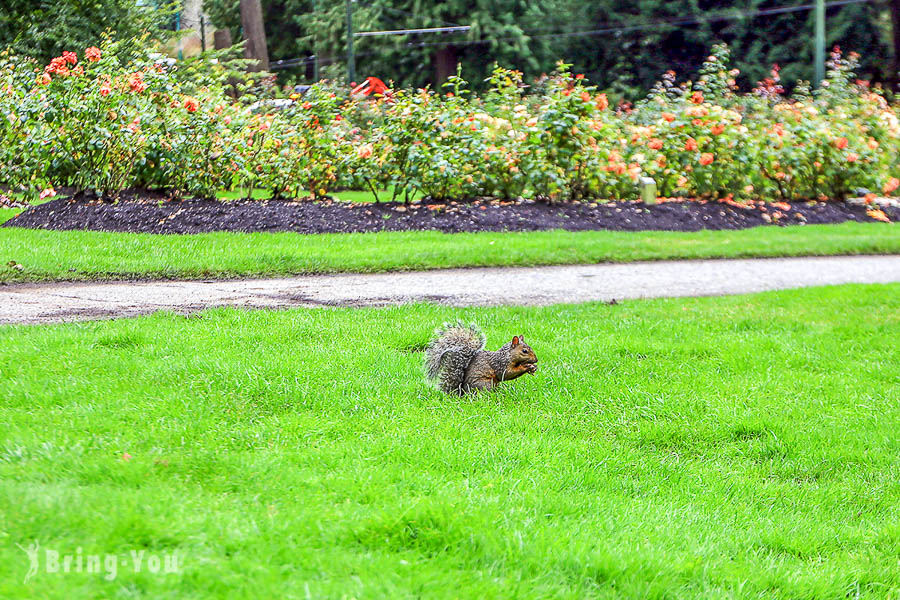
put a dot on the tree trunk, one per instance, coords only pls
(893, 76)
(445, 64)
(255, 34)
(222, 38)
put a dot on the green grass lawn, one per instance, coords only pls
(80, 255)
(739, 447)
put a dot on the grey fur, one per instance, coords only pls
(449, 353)
(455, 359)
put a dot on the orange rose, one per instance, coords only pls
(655, 144)
(668, 117)
(852, 157)
(191, 104)
(697, 98)
(717, 129)
(136, 82)
(92, 54)
(602, 102)
(706, 158)
(634, 171)
(690, 145)
(841, 143)
(892, 184)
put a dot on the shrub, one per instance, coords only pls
(110, 118)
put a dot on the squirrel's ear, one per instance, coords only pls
(521, 339)
(515, 341)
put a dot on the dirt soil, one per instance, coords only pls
(153, 213)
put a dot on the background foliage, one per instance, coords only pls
(624, 55)
(526, 35)
(46, 28)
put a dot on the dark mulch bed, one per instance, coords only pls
(153, 214)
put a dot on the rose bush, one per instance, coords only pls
(102, 120)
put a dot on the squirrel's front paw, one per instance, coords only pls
(532, 368)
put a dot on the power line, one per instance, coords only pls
(657, 24)
(456, 29)
(287, 63)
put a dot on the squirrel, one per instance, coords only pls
(456, 359)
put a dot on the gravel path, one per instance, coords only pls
(60, 302)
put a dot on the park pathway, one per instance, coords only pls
(61, 302)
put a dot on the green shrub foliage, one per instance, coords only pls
(104, 120)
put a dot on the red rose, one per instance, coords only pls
(697, 98)
(70, 57)
(655, 144)
(92, 54)
(690, 145)
(706, 158)
(191, 104)
(841, 143)
(58, 65)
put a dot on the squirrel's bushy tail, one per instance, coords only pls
(450, 352)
